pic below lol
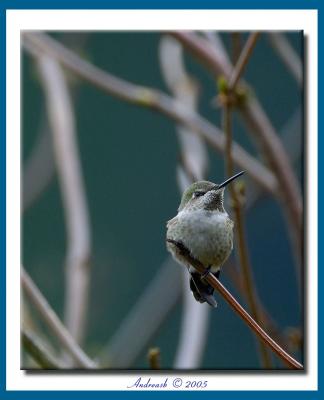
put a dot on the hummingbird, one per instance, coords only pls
(204, 228)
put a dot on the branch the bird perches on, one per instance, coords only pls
(217, 285)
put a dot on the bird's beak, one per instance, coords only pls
(229, 180)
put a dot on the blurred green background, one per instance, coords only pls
(129, 157)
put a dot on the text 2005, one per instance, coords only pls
(196, 384)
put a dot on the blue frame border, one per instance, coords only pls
(146, 4)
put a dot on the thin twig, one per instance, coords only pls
(61, 118)
(54, 323)
(248, 281)
(217, 285)
(145, 97)
(243, 59)
(35, 348)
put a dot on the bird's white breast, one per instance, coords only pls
(207, 234)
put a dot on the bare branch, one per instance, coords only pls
(145, 97)
(61, 117)
(54, 323)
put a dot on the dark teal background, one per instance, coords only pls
(129, 157)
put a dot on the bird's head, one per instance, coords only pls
(205, 195)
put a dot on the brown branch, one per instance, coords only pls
(217, 285)
(142, 96)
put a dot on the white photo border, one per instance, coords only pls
(97, 20)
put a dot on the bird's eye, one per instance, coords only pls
(197, 194)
